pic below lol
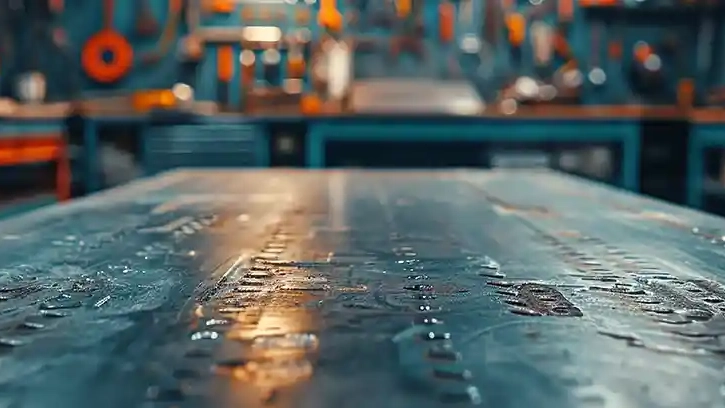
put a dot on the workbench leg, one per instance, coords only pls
(630, 161)
(143, 135)
(63, 176)
(263, 151)
(90, 154)
(695, 171)
(315, 149)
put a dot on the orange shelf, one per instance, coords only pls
(28, 149)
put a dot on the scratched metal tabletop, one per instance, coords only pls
(362, 289)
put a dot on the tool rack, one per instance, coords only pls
(26, 142)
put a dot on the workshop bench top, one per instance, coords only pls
(362, 289)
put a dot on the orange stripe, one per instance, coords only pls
(225, 63)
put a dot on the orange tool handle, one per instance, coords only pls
(329, 16)
(225, 63)
(686, 93)
(615, 50)
(561, 45)
(446, 21)
(598, 3)
(296, 65)
(516, 24)
(565, 10)
(642, 51)
(403, 7)
(220, 6)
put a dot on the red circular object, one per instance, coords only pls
(93, 56)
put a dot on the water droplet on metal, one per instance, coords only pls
(55, 305)
(436, 336)
(428, 321)
(10, 343)
(304, 341)
(421, 288)
(52, 314)
(205, 335)
(524, 311)
(32, 325)
(102, 301)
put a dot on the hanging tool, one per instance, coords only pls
(516, 25)
(492, 23)
(296, 64)
(403, 7)
(565, 11)
(107, 42)
(146, 24)
(225, 72)
(329, 17)
(446, 21)
(409, 38)
(191, 47)
(645, 73)
(168, 34)
(596, 76)
(542, 42)
(615, 48)
(248, 61)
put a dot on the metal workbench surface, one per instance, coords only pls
(362, 289)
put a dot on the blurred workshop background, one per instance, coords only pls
(98, 93)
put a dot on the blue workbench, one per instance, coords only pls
(703, 136)
(242, 141)
(481, 129)
(363, 289)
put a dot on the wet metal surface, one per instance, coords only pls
(362, 289)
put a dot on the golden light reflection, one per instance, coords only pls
(274, 325)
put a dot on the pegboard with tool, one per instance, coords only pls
(600, 52)
(410, 38)
(253, 51)
(513, 52)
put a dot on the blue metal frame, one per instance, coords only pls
(91, 166)
(702, 137)
(483, 130)
(261, 148)
(444, 129)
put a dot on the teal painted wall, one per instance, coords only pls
(83, 18)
